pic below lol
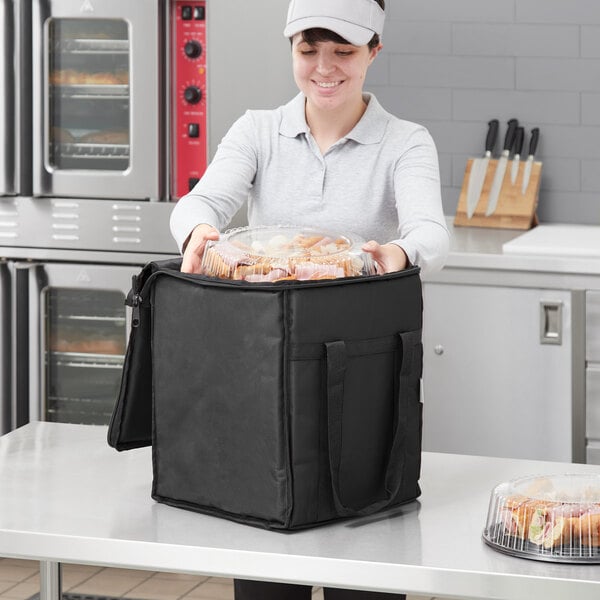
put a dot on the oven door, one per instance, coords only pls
(97, 84)
(71, 327)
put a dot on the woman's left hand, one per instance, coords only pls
(388, 257)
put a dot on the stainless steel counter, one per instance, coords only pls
(477, 257)
(65, 496)
(476, 247)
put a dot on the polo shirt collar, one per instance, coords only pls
(372, 125)
(293, 121)
(369, 130)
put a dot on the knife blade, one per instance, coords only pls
(479, 168)
(501, 167)
(535, 135)
(516, 159)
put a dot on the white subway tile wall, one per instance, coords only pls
(453, 65)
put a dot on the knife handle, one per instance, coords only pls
(510, 134)
(492, 134)
(519, 137)
(535, 136)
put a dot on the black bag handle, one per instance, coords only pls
(336, 357)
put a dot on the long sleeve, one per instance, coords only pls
(224, 186)
(421, 223)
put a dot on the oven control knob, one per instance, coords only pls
(193, 49)
(192, 94)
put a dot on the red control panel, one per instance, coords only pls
(188, 85)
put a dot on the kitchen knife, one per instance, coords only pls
(479, 168)
(516, 159)
(535, 134)
(501, 167)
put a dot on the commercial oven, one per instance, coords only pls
(15, 178)
(124, 90)
(129, 101)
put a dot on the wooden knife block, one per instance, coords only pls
(513, 211)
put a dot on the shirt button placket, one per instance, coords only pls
(318, 181)
(315, 184)
(323, 175)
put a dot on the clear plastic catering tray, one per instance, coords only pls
(554, 518)
(280, 253)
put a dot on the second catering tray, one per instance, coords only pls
(552, 518)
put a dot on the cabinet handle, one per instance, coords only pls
(551, 322)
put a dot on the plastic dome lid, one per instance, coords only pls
(553, 518)
(279, 253)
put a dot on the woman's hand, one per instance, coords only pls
(388, 257)
(194, 247)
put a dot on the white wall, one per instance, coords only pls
(452, 65)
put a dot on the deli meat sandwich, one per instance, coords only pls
(551, 524)
(549, 518)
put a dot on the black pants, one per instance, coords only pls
(266, 590)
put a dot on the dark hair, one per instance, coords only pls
(315, 35)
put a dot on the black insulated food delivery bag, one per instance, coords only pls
(284, 405)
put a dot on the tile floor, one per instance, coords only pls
(19, 580)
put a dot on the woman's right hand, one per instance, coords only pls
(194, 247)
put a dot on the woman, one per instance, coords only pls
(331, 158)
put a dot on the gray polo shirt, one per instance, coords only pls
(381, 181)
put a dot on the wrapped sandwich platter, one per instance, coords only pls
(553, 518)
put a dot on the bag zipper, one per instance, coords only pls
(285, 284)
(136, 296)
(134, 299)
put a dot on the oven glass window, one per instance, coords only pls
(89, 94)
(85, 343)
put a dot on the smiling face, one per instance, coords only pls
(331, 74)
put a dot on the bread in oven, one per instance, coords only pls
(62, 135)
(111, 136)
(74, 77)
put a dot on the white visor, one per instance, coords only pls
(355, 20)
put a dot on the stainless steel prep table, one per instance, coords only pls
(477, 255)
(65, 496)
(479, 291)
